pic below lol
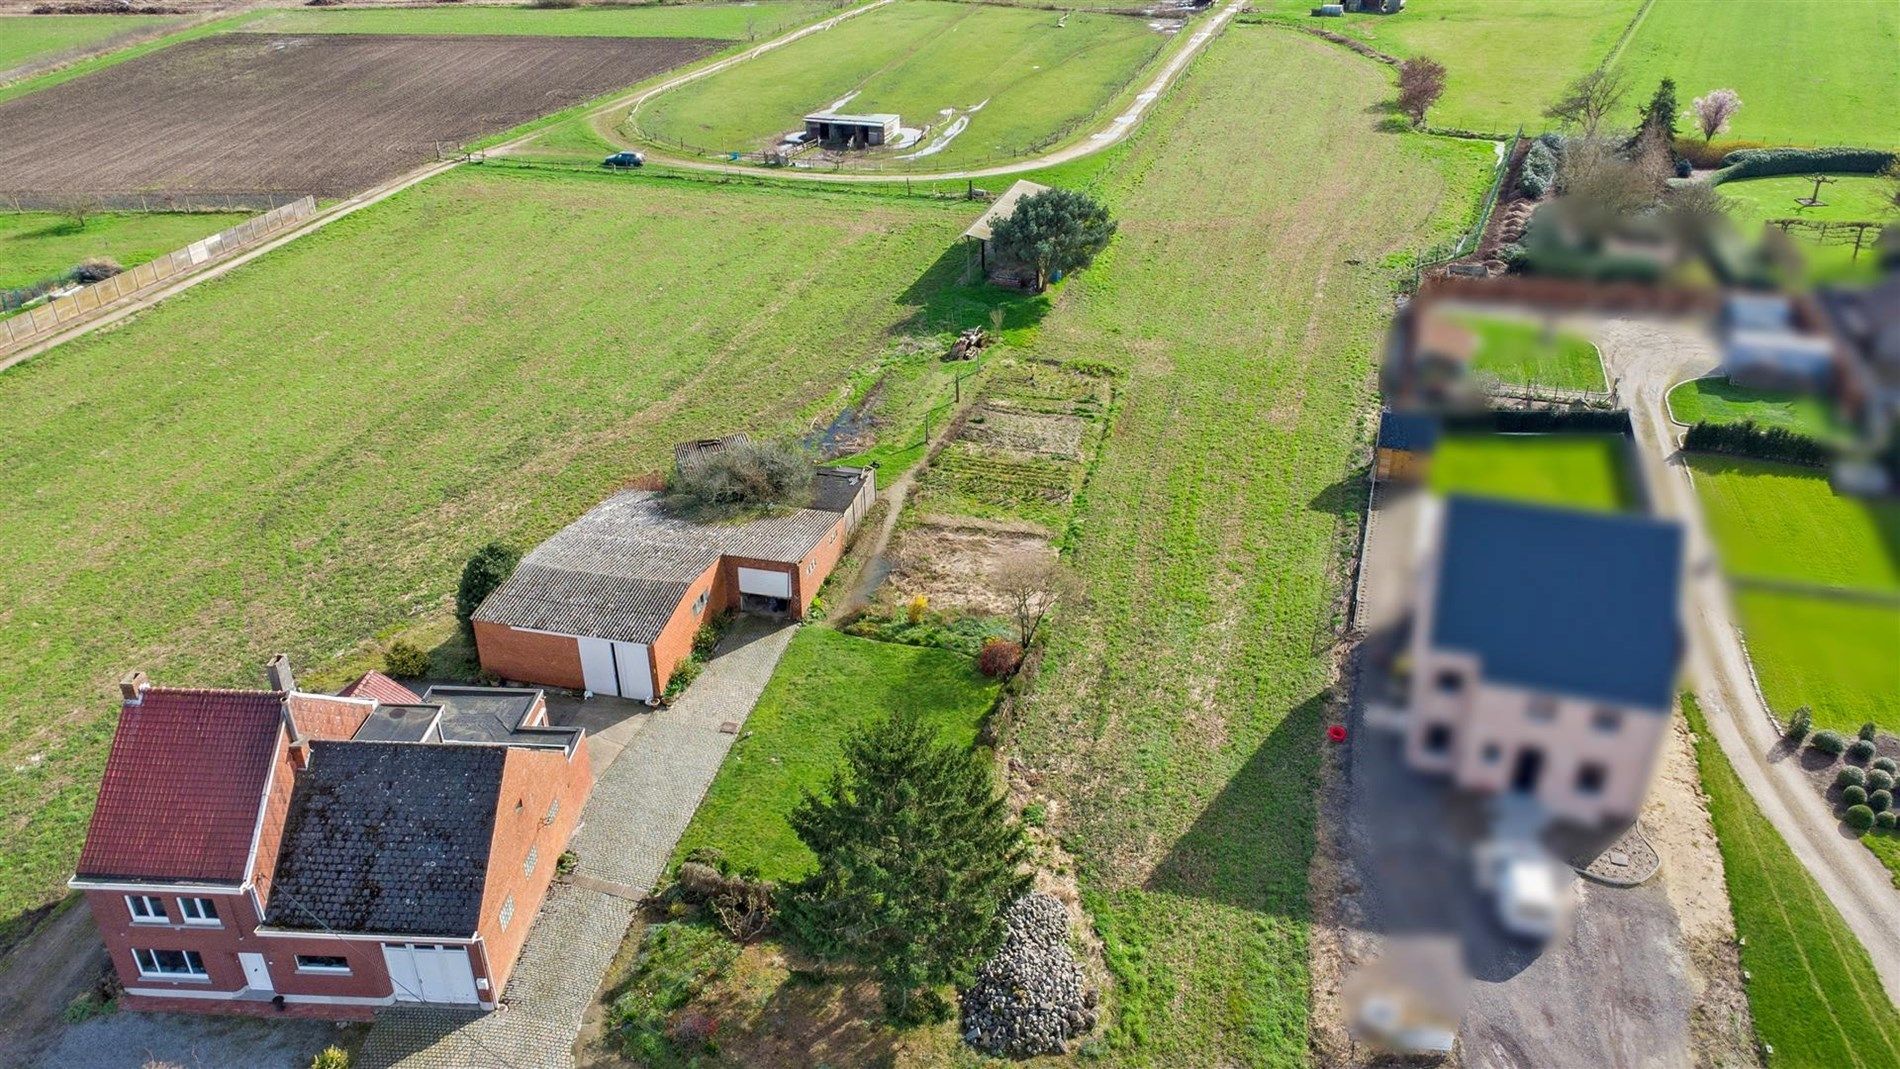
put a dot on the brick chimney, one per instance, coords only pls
(278, 673)
(133, 685)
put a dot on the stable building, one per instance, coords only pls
(611, 603)
(856, 131)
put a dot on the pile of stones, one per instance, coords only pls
(1031, 997)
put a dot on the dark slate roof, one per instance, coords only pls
(621, 570)
(401, 723)
(388, 838)
(834, 489)
(1582, 604)
(1415, 432)
(482, 714)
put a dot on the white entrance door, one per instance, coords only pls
(256, 972)
(421, 972)
(597, 665)
(636, 670)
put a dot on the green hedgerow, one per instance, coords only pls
(1853, 795)
(1859, 817)
(1828, 742)
(1851, 776)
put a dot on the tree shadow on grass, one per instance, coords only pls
(953, 295)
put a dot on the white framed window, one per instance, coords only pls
(146, 909)
(534, 858)
(170, 964)
(323, 963)
(198, 911)
(699, 603)
(507, 912)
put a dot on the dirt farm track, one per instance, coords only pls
(328, 115)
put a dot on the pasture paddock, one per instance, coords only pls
(328, 115)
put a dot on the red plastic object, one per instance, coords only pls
(1336, 733)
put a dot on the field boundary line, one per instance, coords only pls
(1629, 34)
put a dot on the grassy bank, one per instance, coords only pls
(27, 38)
(39, 245)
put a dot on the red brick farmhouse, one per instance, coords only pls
(612, 602)
(267, 851)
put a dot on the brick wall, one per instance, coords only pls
(531, 781)
(675, 640)
(529, 656)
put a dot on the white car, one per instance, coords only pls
(1535, 892)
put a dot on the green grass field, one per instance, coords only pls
(829, 685)
(1840, 658)
(39, 245)
(26, 38)
(1810, 72)
(1180, 720)
(1527, 353)
(1776, 521)
(1505, 60)
(1721, 401)
(724, 21)
(1811, 988)
(1584, 471)
(1856, 198)
(1010, 75)
(300, 455)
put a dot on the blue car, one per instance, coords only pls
(624, 159)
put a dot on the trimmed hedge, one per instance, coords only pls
(1851, 776)
(1887, 765)
(1880, 801)
(1859, 817)
(1765, 162)
(1887, 821)
(1861, 750)
(1829, 742)
(1749, 439)
(1877, 780)
(1854, 795)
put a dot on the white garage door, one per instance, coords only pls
(772, 584)
(424, 972)
(621, 668)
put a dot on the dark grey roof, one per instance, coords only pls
(388, 838)
(400, 723)
(1411, 431)
(834, 489)
(1582, 604)
(483, 714)
(619, 571)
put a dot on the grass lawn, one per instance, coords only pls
(1505, 60)
(1721, 401)
(1851, 198)
(1777, 521)
(300, 455)
(1179, 722)
(829, 685)
(1812, 990)
(1525, 352)
(1810, 72)
(1841, 658)
(39, 245)
(732, 22)
(1013, 80)
(1584, 471)
(25, 38)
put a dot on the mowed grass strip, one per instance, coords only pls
(302, 453)
(1721, 401)
(828, 686)
(1528, 353)
(1176, 725)
(1812, 990)
(1840, 658)
(1810, 72)
(731, 22)
(27, 38)
(1015, 76)
(1506, 60)
(1777, 521)
(39, 245)
(1580, 471)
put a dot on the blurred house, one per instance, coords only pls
(1771, 343)
(1544, 655)
(1866, 325)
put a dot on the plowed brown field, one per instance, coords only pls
(322, 114)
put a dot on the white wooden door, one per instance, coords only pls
(636, 670)
(597, 665)
(256, 972)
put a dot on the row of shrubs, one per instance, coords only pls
(1866, 792)
(1766, 162)
(1749, 439)
(1538, 174)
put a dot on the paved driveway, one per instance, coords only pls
(641, 804)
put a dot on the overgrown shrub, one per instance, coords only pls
(1749, 439)
(999, 658)
(1868, 731)
(741, 474)
(97, 269)
(706, 639)
(1828, 742)
(487, 569)
(1880, 801)
(1851, 776)
(406, 660)
(1799, 723)
(331, 1058)
(1876, 780)
(914, 612)
(1853, 795)
(965, 635)
(1859, 817)
(676, 962)
(1764, 162)
(1860, 750)
(742, 904)
(1539, 170)
(683, 675)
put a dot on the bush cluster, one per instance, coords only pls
(1539, 171)
(1748, 439)
(1764, 162)
(1828, 742)
(406, 660)
(742, 474)
(331, 1058)
(965, 635)
(1541, 421)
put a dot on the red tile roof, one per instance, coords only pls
(382, 688)
(319, 716)
(183, 783)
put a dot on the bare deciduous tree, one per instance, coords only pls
(1714, 110)
(1421, 83)
(1033, 585)
(1586, 101)
(78, 207)
(1600, 189)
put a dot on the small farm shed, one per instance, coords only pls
(862, 131)
(1406, 441)
(1000, 209)
(611, 603)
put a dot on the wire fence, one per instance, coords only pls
(1439, 255)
